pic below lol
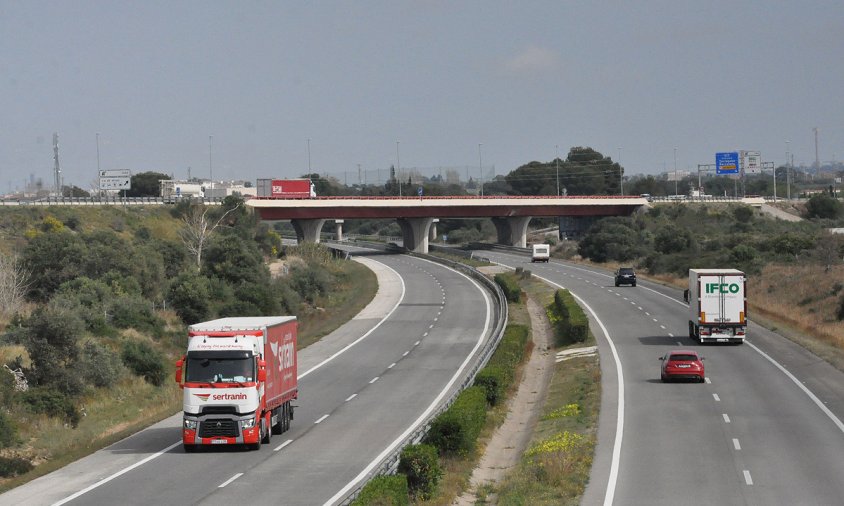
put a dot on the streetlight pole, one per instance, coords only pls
(787, 172)
(675, 171)
(398, 167)
(620, 174)
(210, 165)
(557, 162)
(481, 169)
(309, 157)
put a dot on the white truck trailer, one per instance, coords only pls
(717, 305)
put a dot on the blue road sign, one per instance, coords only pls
(727, 163)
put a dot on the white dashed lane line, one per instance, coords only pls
(736, 444)
(238, 475)
(282, 445)
(373, 380)
(726, 418)
(715, 396)
(747, 478)
(351, 397)
(320, 419)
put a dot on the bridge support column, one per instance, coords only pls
(432, 235)
(339, 229)
(512, 231)
(414, 233)
(307, 230)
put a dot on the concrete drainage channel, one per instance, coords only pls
(390, 463)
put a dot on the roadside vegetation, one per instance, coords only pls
(555, 468)
(795, 269)
(94, 305)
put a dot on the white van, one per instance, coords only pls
(541, 253)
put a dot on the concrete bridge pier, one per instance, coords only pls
(339, 229)
(512, 231)
(432, 235)
(415, 232)
(307, 230)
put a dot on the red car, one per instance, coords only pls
(682, 364)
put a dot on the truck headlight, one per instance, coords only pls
(190, 424)
(248, 423)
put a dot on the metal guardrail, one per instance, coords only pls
(105, 201)
(390, 463)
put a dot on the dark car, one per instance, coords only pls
(682, 364)
(625, 276)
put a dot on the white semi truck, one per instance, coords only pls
(717, 305)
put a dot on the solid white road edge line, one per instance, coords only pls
(392, 446)
(329, 359)
(115, 475)
(797, 382)
(238, 475)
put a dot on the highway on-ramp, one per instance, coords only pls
(361, 389)
(765, 428)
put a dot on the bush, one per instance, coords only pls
(51, 402)
(841, 309)
(510, 287)
(494, 379)
(144, 360)
(13, 466)
(384, 491)
(132, 311)
(8, 432)
(100, 365)
(421, 465)
(572, 325)
(455, 431)
(189, 296)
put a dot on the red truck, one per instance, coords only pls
(239, 378)
(286, 188)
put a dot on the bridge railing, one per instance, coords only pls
(105, 200)
(390, 463)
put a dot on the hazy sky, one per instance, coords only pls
(155, 79)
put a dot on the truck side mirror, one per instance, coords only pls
(262, 370)
(686, 295)
(179, 364)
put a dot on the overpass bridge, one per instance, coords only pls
(417, 215)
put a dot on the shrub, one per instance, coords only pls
(51, 402)
(421, 465)
(384, 491)
(144, 360)
(509, 286)
(494, 379)
(132, 311)
(8, 431)
(189, 295)
(572, 325)
(13, 466)
(841, 309)
(455, 431)
(100, 365)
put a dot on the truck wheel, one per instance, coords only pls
(266, 430)
(691, 330)
(278, 428)
(190, 448)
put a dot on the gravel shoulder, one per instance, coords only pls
(510, 440)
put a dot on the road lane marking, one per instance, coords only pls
(797, 382)
(708, 381)
(736, 444)
(351, 397)
(320, 419)
(282, 445)
(373, 380)
(117, 474)
(715, 396)
(405, 353)
(391, 365)
(726, 418)
(238, 475)
(747, 478)
(416, 343)
(431, 407)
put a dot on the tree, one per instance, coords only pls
(611, 239)
(823, 206)
(146, 184)
(14, 281)
(198, 228)
(52, 258)
(189, 295)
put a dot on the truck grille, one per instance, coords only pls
(217, 427)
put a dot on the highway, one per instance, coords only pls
(361, 390)
(765, 428)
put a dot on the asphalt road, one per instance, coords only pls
(361, 388)
(765, 429)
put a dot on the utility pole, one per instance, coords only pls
(57, 171)
(817, 158)
(620, 174)
(557, 161)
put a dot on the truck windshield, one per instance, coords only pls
(220, 367)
